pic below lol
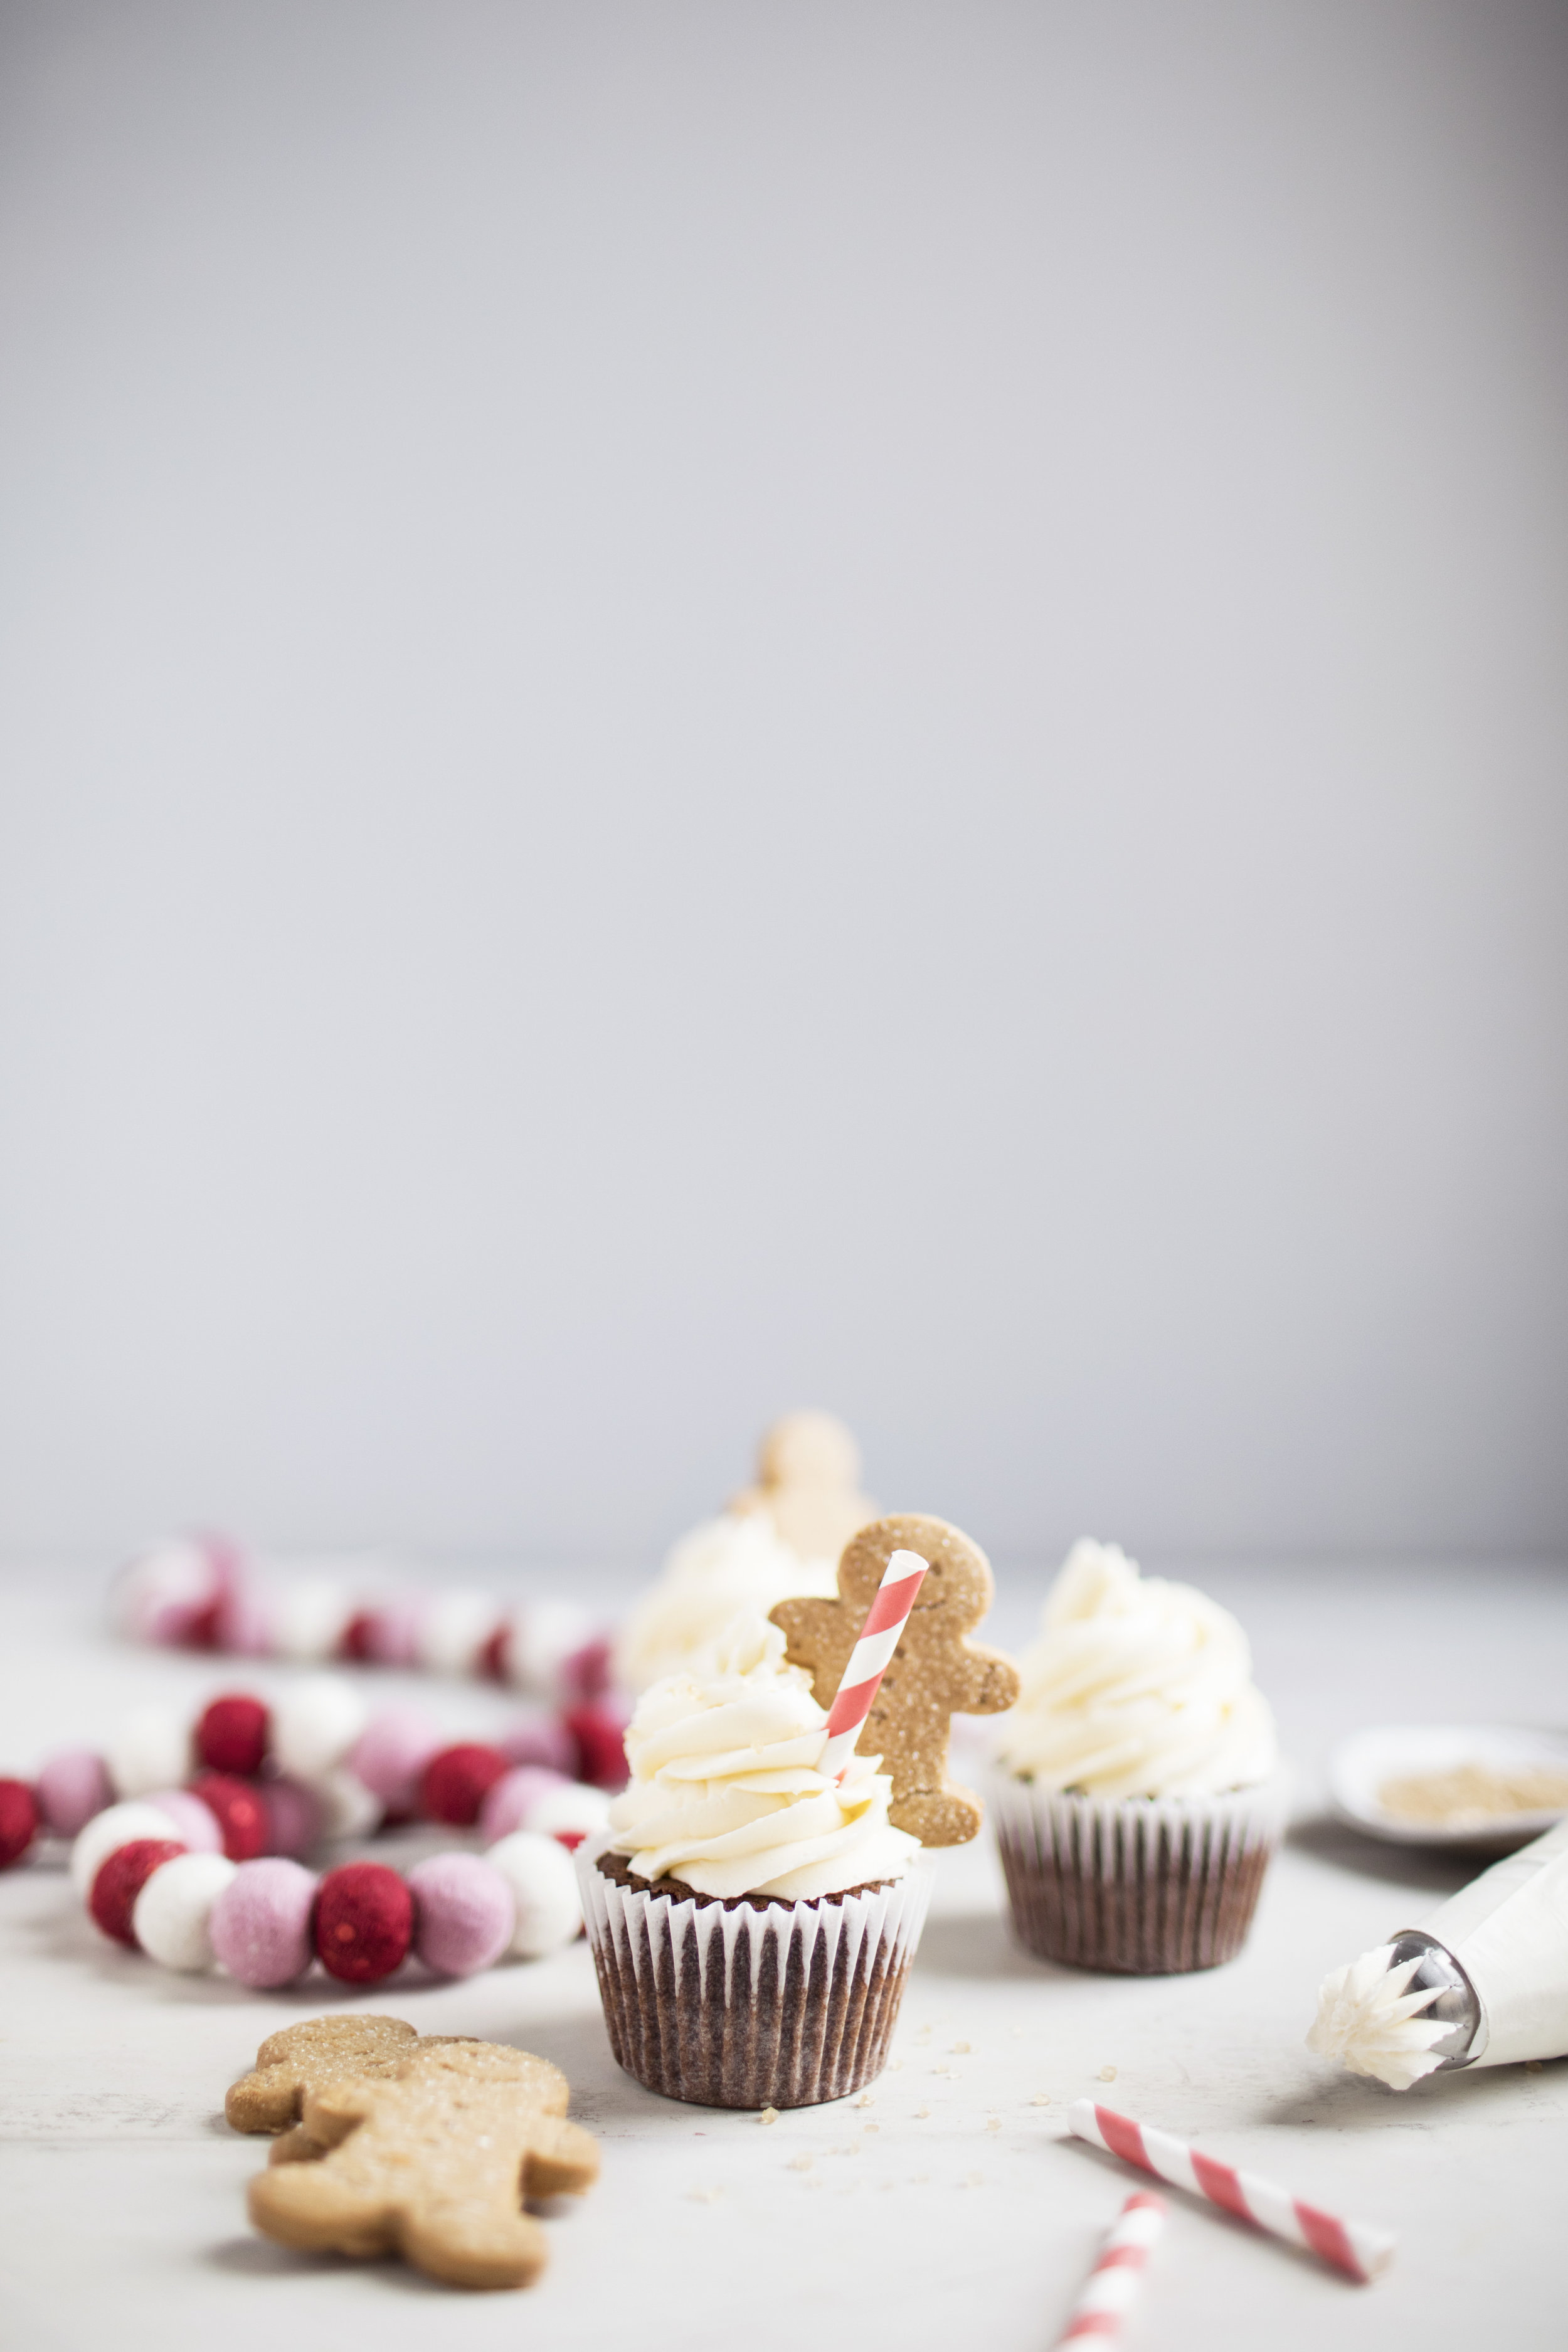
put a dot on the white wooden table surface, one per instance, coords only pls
(951, 2210)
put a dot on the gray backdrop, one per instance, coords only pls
(716, 705)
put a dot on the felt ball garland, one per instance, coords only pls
(247, 1779)
(202, 1593)
(265, 1920)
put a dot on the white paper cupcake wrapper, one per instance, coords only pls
(742, 2007)
(1140, 1885)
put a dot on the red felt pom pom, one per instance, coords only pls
(231, 1734)
(120, 1880)
(363, 1922)
(355, 1640)
(455, 1783)
(494, 1661)
(240, 1811)
(18, 1821)
(600, 1737)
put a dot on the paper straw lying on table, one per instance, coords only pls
(885, 1621)
(1114, 2281)
(1352, 2247)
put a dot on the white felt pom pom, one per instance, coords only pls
(574, 1809)
(542, 1637)
(309, 1617)
(453, 1627)
(169, 1919)
(150, 1748)
(315, 1723)
(544, 1887)
(348, 1807)
(116, 1826)
(167, 1583)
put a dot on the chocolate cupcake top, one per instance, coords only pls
(1136, 1687)
(726, 1793)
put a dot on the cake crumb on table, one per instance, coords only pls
(1108, 2073)
(1041, 2099)
(769, 2116)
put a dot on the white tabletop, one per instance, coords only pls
(951, 2209)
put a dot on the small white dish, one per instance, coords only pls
(1361, 1765)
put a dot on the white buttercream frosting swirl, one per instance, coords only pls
(726, 1793)
(1136, 1687)
(727, 1566)
(1369, 2019)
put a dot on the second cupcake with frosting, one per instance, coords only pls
(1139, 1795)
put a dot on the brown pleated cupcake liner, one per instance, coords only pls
(780, 2005)
(1138, 1886)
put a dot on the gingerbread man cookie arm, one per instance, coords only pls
(992, 1684)
(563, 2161)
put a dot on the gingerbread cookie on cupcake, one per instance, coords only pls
(756, 1900)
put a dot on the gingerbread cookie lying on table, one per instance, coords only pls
(427, 2149)
(934, 1673)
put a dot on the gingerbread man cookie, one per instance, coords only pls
(433, 2164)
(309, 2057)
(934, 1673)
(808, 1477)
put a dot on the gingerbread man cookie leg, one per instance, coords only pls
(935, 1672)
(434, 2164)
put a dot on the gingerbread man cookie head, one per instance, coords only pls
(808, 1478)
(934, 1673)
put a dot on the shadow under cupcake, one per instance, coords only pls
(1138, 1796)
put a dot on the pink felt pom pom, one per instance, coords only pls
(585, 1674)
(72, 1787)
(539, 1738)
(392, 1753)
(508, 1805)
(194, 1822)
(260, 1924)
(293, 1817)
(464, 1912)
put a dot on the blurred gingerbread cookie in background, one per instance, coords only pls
(781, 1536)
(935, 1672)
(808, 1480)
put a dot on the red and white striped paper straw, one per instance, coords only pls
(1352, 2247)
(885, 1621)
(1113, 2283)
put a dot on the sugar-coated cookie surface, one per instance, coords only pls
(431, 2159)
(309, 2057)
(935, 1672)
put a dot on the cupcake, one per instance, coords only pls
(751, 1921)
(1138, 1795)
(780, 1537)
(753, 1916)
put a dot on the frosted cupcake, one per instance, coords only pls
(1138, 1796)
(752, 1920)
(777, 1540)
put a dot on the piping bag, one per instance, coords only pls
(1483, 1983)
